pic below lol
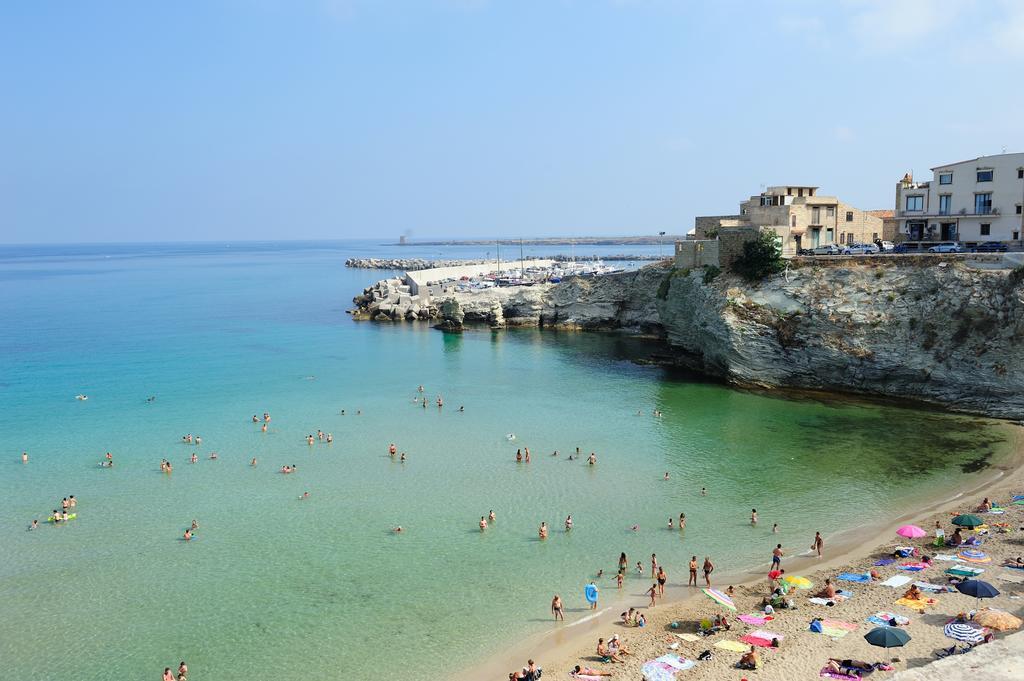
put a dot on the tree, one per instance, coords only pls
(762, 257)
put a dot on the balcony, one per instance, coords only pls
(962, 213)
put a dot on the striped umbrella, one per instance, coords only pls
(720, 598)
(974, 556)
(962, 631)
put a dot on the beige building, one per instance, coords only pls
(800, 216)
(972, 201)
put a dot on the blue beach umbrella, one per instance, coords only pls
(977, 588)
(887, 637)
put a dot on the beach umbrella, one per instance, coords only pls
(968, 520)
(720, 598)
(997, 619)
(974, 556)
(798, 582)
(977, 588)
(887, 637)
(963, 631)
(911, 532)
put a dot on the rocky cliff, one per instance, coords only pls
(932, 329)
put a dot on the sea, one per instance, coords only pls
(167, 340)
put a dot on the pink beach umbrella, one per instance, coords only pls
(911, 532)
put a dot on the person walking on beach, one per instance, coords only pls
(777, 556)
(693, 572)
(662, 578)
(819, 543)
(556, 608)
(653, 593)
(709, 567)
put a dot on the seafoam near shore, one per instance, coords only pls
(802, 653)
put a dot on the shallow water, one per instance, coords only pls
(275, 587)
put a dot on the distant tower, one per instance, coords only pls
(401, 240)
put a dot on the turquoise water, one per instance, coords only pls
(282, 588)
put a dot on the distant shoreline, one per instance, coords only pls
(555, 241)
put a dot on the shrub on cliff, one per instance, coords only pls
(761, 258)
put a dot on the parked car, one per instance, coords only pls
(860, 249)
(827, 249)
(946, 247)
(990, 247)
(888, 247)
(900, 248)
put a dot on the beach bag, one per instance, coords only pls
(816, 626)
(706, 655)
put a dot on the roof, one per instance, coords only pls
(883, 213)
(974, 160)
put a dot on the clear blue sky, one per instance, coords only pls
(276, 119)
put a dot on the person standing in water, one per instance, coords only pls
(543, 531)
(776, 556)
(819, 543)
(654, 565)
(592, 460)
(653, 593)
(682, 521)
(491, 516)
(753, 516)
(556, 608)
(568, 522)
(24, 457)
(662, 578)
(623, 562)
(693, 572)
(483, 523)
(709, 567)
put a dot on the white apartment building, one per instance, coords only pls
(970, 201)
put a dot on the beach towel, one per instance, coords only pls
(934, 588)
(845, 594)
(836, 628)
(949, 558)
(734, 646)
(827, 673)
(854, 577)
(918, 605)
(754, 620)
(689, 637)
(964, 571)
(896, 581)
(883, 618)
(821, 601)
(1016, 577)
(761, 638)
(657, 671)
(912, 567)
(884, 561)
(585, 677)
(676, 662)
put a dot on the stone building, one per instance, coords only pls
(969, 201)
(800, 216)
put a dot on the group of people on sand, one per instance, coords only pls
(182, 673)
(531, 672)
(613, 650)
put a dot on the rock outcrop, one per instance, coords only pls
(452, 316)
(934, 330)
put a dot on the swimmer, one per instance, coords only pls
(397, 530)
(266, 417)
(640, 568)
(263, 427)
(703, 491)
(330, 438)
(568, 523)
(213, 456)
(359, 412)
(753, 516)
(188, 535)
(199, 440)
(420, 389)
(635, 528)
(24, 457)
(195, 525)
(305, 495)
(491, 516)
(342, 412)
(392, 449)
(309, 440)
(592, 460)
(510, 437)
(600, 573)
(182, 671)
(34, 525)
(682, 521)
(461, 408)
(554, 453)
(255, 419)
(543, 531)
(526, 450)
(320, 435)
(670, 525)
(402, 458)
(109, 456)
(253, 462)
(193, 458)
(618, 580)
(666, 476)
(483, 523)
(775, 528)
(424, 403)
(72, 502)
(440, 402)
(519, 456)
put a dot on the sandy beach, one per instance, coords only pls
(802, 653)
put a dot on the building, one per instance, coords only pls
(890, 223)
(800, 216)
(970, 201)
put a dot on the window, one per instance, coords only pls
(985, 175)
(945, 201)
(1020, 173)
(1016, 236)
(913, 203)
(1018, 209)
(849, 216)
(815, 216)
(792, 221)
(830, 211)
(945, 178)
(983, 204)
(986, 229)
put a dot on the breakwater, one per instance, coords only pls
(415, 264)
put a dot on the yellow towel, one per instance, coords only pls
(916, 604)
(689, 637)
(734, 646)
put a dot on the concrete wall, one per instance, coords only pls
(419, 280)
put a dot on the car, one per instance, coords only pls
(860, 249)
(990, 247)
(900, 248)
(827, 249)
(946, 247)
(888, 247)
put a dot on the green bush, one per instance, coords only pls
(1016, 275)
(710, 272)
(761, 258)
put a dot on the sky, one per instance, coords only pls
(331, 119)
